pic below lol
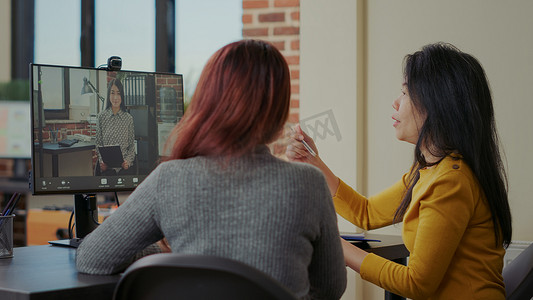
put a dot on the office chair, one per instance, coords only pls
(518, 276)
(179, 276)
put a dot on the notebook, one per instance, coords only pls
(111, 155)
(67, 143)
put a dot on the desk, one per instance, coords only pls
(391, 247)
(49, 272)
(55, 150)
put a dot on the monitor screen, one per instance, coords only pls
(15, 130)
(96, 130)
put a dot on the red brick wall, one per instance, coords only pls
(65, 129)
(278, 21)
(170, 81)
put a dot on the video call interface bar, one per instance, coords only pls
(79, 184)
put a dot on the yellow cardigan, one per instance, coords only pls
(447, 229)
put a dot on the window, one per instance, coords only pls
(125, 28)
(57, 32)
(202, 27)
(52, 81)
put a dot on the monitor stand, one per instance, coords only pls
(85, 217)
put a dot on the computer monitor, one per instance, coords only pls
(77, 120)
(15, 140)
(15, 130)
(73, 125)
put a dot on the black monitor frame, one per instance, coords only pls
(48, 177)
(153, 99)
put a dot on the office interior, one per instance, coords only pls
(350, 70)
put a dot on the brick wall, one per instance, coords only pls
(63, 130)
(168, 81)
(278, 21)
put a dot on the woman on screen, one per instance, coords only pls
(221, 192)
(115, 127)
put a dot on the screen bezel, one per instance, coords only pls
(92, 184)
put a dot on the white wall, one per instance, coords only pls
(497, 33)
(5, 40)
(328, 81)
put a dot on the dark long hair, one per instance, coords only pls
(451, 87)
(241, 100)
(118, 84)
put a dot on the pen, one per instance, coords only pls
(306, 145)
(308, 148)
(12, 207)
(8, 209)
(8, 205)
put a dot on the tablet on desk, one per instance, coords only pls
(111, 155)
(73, 243)
(67, 142)
(357, 238)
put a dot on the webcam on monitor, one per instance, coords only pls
(114, 63)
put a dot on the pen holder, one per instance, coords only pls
(6, 236)
(53, 137)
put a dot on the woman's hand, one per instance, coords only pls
(353, 256)
(163, 244)
(125, 165)
(296, 150)
(103, 166)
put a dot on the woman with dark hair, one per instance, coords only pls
(453, 202)
(221, 192)
(115, 127)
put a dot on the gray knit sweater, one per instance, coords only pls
(271, 214)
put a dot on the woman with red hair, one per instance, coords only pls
(221, 192)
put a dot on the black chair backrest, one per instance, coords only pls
(179, 276)
(518, 276)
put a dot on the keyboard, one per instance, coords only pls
(67, 143)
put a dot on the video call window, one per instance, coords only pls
(97, 130)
